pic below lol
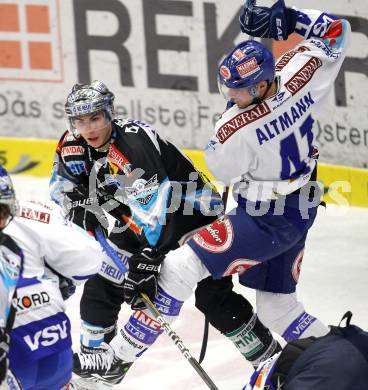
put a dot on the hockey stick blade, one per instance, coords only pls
(164, 324)
(178, 342)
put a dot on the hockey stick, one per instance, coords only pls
(179, 343)
(202, 354)
(164, 324)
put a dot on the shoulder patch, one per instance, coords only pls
(72, 150)
(36, 215)
(303, 75)
(241, 120)
(67, 138)
(117, 161)
(285, 59)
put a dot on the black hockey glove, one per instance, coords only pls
(144, 268)
(66, 286)
(87, 214)
(276, 22)
(4, 350)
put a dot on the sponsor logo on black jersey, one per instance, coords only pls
(143, 190)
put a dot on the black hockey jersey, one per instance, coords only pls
(142, 180)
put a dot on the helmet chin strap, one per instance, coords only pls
(253, 92)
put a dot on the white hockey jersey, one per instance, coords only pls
(48, 243)
(269, 148)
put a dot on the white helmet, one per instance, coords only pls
(87, 99)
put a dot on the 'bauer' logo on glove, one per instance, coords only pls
(144, 268)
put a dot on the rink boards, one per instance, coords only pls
(342, 185)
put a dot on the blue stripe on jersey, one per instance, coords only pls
(24, 282)
(77, 277)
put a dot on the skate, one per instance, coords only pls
(100, 370)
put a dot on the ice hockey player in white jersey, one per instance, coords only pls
(11, 263)
(57, 256)
(264, 145)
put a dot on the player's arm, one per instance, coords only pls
(71, 253)
(62, 182)
(228, 159)
(79, 204)
(4, 350)
(278, 22)
(11, 259)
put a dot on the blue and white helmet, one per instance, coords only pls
(246, 65)
(7, 193)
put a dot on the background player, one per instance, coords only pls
(11, 263)
(157, 199)
(318, 363)
(57, 255)
(269, 128)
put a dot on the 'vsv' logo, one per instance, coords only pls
(47, 336)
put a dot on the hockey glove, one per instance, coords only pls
(66, 286)
(144, 268)
(4, 350)
(277, 22)
(87, 214)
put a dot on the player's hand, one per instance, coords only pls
(144, 268)
(87, 214)
(276, 22)
(4, 350)
(66, 287)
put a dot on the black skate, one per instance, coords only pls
(103, 368)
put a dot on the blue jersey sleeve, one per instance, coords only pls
(11, 262)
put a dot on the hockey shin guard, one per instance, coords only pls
(303, 326)
(254, 341)
(285, 315)
(141, 331)
(92, 336)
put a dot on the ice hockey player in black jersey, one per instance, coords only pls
(157, 198)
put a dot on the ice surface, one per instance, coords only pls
(333, 280)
